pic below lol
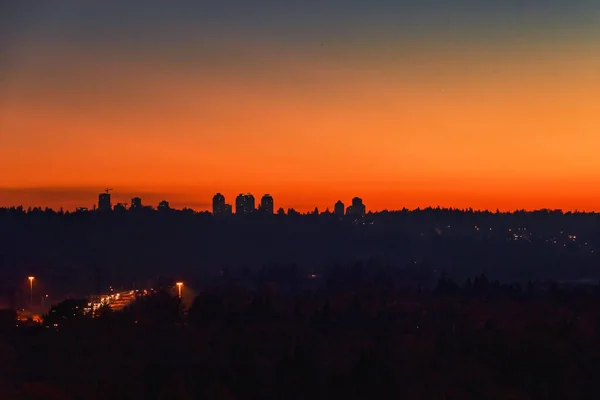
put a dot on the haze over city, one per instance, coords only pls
(403, 103)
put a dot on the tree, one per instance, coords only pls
(160, 308)
(206, 309)
(103, 311)
(66, 312)
(8, 320)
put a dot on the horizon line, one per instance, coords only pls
(395, 210)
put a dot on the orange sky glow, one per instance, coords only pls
(509, 127)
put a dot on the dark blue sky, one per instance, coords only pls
(166, 28)
(108, 20)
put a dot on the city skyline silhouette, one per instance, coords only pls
(153, 200)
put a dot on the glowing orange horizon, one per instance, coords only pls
(410, 197)
(455, 129)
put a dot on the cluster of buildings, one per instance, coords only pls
(105, 203)
(244, 204)
(356, 209)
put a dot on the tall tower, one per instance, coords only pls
(266, 204)
(218, 204)
(250, 203)
(244, 204)
(240, 204)
(104, 203)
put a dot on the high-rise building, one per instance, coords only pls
(266, 204)
(338, 209)
(104, 203)
(218, 204)
(250, 203)
(240, 204)
(244, 204)
(136, 203)
(357, 208)
(228, 209)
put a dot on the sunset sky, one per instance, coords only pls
(483, 104)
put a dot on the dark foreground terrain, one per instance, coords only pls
(477, 340)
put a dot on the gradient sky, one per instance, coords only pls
(483, 104)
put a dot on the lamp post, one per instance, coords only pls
(179, 287)
(31, 278)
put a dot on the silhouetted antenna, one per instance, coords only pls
(107, 190)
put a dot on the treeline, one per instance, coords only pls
(543, 211)
(433, 217)
(479, 339)
(91, 250)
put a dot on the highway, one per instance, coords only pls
(116, 301)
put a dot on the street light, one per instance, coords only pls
(31, 278)
(179, 286)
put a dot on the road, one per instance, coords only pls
(116, 301)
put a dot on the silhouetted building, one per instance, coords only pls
(250, 203)
(120, 207)
(266, 204)
(357, 208)
(240, 204)
(136, 203)
(104, 203)
(244, 204)
(164, 206)
(339, 209)
(228, 209)
(218, 204)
